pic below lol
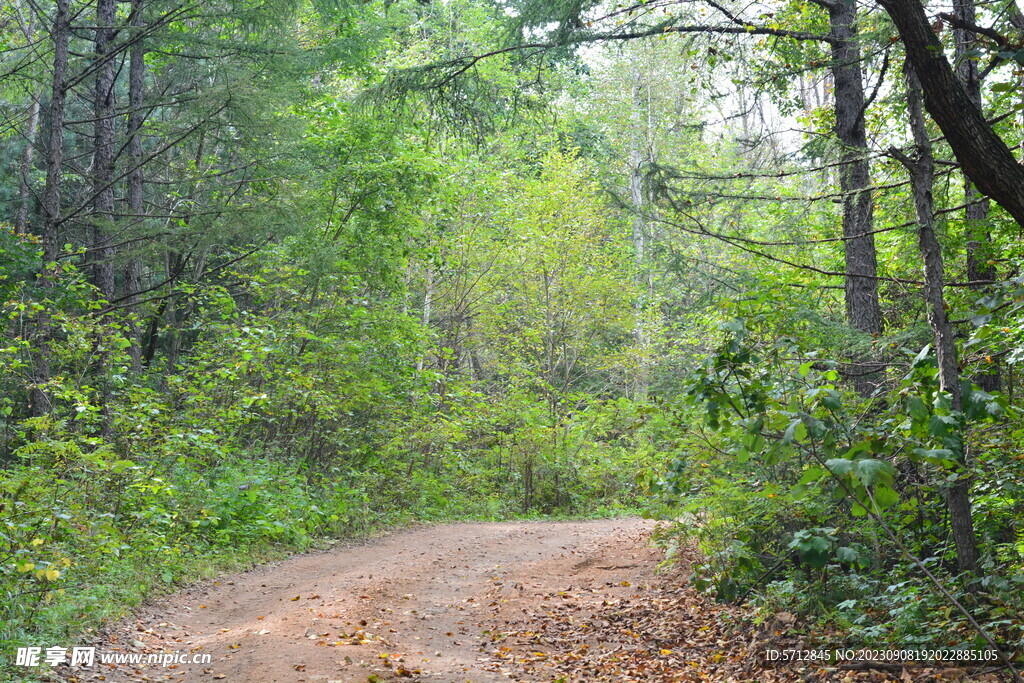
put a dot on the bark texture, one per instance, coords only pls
(60, 33)
(863, 312)
(103, 150)
(982, 154)
(136, 178)
(60, 30)
(979, 256)
(27, 157)
(922, 174)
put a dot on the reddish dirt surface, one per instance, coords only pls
(528, 601)
(429, 598)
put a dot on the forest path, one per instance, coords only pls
(519, 601)
(437, 600)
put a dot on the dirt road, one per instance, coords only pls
(426, 604)
(577, 602)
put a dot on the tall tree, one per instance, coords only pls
(980, 268)
(136, 170)
(862, 309)
(103, 158)
(641, 157)
(27, 24)
(922, 175)
(60, 35)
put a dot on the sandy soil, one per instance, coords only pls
(426, 604)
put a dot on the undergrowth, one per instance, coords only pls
(280, 429)
(805, 498)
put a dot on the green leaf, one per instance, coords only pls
(942, 457)
(847, 555)
(735, 326)
(981, 319)
(917, 409)
(812, 474)
(870, 471)
(839, 466)
(816, 558)
(940, 425)
(924, 356)
(832, 401)
(885, 497)
(796, 431)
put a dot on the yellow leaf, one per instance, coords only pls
(52, 574)
(26, 567)
(37, 542)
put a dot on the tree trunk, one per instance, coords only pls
(967, 71)
(639, 154)
(28, 29)
(39, 400)
(103, 150)
(982, 154)
(428, 297)
(27, 156)
(979, 239)
(863, 312)
(60, 33)
(103, 179)
(922, 174)
(975, 213)
(136, 179)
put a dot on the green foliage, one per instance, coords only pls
(793, 486)
(296, 414)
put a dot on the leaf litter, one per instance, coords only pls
(565, 601)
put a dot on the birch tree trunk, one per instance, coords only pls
(639, 155)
